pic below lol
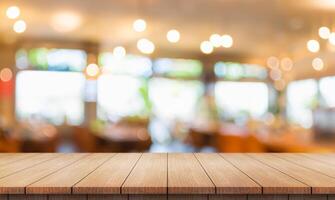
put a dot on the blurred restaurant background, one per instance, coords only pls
(167, 76)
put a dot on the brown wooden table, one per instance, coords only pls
(167, 176)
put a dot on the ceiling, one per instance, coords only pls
(260, 28)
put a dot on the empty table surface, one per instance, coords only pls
(126, 175)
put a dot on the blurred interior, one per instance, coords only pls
(167, 76)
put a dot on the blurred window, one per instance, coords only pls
(236, 99)
(237, 71)
(128, 65)
(301, 99)
(54, 96)
(175, 99)
(51, 59)
(121, 96)
(178, 68)
(327, 89)
(122, 89)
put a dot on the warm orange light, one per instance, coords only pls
(6, 74)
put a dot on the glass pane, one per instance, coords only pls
(54, 96)
(120, 96)
(66, 60)
(130, 64)
(236, 71)
(241, 98)
(178, 68)
(327, 89)
(301, 99)
(53, 59)
(175, 99)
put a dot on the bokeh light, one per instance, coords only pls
(206, 47)
(13, 12)
(317, 64)
(139, 25)
(20, 26)
(173, 36)
(313, 46)
(6, 75)
(145, 46)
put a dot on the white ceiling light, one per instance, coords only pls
(119, 52)
(145, 46)
(139, 25)
(317, 64)
(227, 41)
(13, 12)
(313, 46)
(215, 40)
(331, 38)
(173, 36)
(20, 26)
(65, 21)
(324, 32)
(206, 47)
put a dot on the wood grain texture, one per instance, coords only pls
(320, 183)
(331, 197)
(11, 168)
(149, 176)
(227, 178)
(3, 197)
(272, 180)
(307, 197)
(186, 176)
(325, 158)
(61, 182)
(227, 197)
(16, 183)
(304, 161)
(107, 197)
(109, 177)
(6, 158)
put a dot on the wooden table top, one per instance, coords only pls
(173, 173)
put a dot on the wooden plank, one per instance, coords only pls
(227, 178)
(307, 197)
(272, 180)
(186, 176)
(147, 197)
(3, 197)
(331, 197)
(325, 158)
(11, 168)
(62, 181)
(321, 184)
(27, 197)
(67, 197)
(149, 175)
(109, 177)
(227, 197)
(16, 183)
(267, 197)
(6, 158)
(107, 197)
(309, 163)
